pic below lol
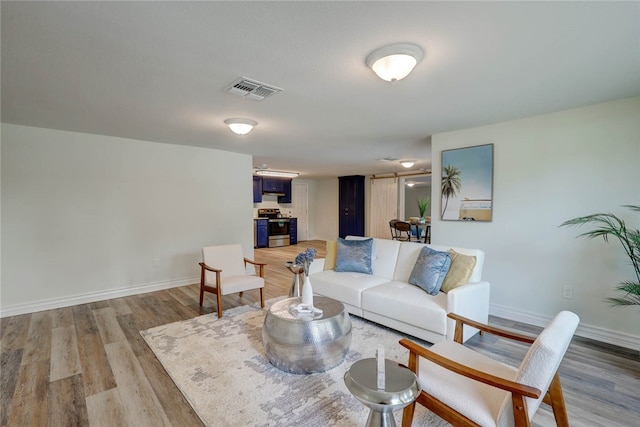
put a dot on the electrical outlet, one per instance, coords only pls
(567, 292)
(156, 262)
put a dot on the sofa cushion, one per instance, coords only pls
(384, 256)
(409, 252)
(345, 287)
(409, 304)
(354, 256)
(459, 272)
(407, 256)
(330, 257)
(430, 270)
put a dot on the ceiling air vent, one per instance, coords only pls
(252, 89)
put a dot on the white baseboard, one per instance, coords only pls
(620, 339)
(587, 331)
(60, 302)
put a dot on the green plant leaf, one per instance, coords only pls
(609, 225)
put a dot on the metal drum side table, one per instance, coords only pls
(304, 345)
(401, 389)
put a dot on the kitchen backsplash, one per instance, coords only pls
(272, 202)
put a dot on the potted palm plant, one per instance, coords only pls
(608, 225)
(423, 204)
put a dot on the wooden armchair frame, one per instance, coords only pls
(553, 397)
(218, 289)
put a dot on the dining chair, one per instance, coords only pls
(224, 272)
(467, 388)
(400, 230)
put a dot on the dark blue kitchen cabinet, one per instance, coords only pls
(293, 231)
(261, 233)
(273, 185)
(279, 186)
(286, 189)
(257, 189)
(351, 205)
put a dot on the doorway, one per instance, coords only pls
(413, 188)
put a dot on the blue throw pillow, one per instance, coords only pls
(430, 270)
(354, 256)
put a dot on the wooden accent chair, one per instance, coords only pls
(224, 272)
(400, 230)
(467, 388)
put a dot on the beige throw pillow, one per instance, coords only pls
(459, 272)
(330, 257)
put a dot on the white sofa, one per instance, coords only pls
(386, 297)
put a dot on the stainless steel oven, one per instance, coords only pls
(279, 232)
(278, 229)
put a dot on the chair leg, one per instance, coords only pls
(201, 286)
(219, 300)
(407, 415)
(557, 402)
(261, 298)
(241, 294)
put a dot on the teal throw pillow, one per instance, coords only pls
(354, 256)
(430, 270)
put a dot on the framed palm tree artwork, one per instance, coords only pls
(467, 184)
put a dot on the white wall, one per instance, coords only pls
(549, 169)
(326, 208)
(84, 216)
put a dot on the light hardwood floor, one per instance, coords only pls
(88, 365)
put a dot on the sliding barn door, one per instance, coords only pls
(383, 206)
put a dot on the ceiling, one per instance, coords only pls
(157, 71)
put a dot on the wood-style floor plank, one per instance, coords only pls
(29, 406)
(67, 405)
(61, 317)
(106, 409)
(9, 369)
(141, 404)
(65, 360)
(175, 405)
(120, 306)
(14, 332)
(113, 379)
(108, 326)
(96, 370)
(38, 343)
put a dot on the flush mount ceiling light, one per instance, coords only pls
(410, 184)
(407, 163)
(394, 62)
(241, 126)
(281, 174)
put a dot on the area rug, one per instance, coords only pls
(220, 367)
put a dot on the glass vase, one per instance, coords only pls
(298, 279)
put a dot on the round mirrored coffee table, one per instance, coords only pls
(401, 389)
(306, 344)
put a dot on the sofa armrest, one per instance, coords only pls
(317, 265)
(471, 301)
